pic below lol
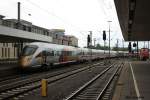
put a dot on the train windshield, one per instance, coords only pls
(29, 50)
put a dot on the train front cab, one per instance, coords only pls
(25, 59)
(144, 54)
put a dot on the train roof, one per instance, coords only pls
(50, 45)
(60, 47)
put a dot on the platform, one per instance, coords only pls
(7, 69)
(134, 82)
(8, 64)
(11, 35)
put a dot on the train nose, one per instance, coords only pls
(24, 62)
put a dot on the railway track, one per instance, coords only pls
(19, 75)
(14, 89)
(26, 75)
(99, 87)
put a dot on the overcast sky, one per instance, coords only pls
(77, 17)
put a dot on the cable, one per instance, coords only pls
(64, 21)
(84, 35)
(53, 14)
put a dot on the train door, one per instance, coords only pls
(60, 56)
(50, 57)
(44, 57)
(56, 56)
(41, 58)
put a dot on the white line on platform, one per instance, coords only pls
(135, 84)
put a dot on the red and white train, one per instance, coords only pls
(144, 54)
(37, 54)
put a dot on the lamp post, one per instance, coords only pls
(109, 37)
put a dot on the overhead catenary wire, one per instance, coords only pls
(53, 14)
(84, 35)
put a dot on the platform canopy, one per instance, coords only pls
(134, 18)
(14, 35)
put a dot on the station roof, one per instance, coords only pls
(14, 35)
(134, 18)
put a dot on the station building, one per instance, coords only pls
(73, 40)
(10, 50)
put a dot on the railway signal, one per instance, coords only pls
(134, 44)
(129, 47)
(104, 38)
(88, 40)
(104, 35)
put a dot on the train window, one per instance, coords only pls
(63, 53)
(69, 53)
(79, 52)
(58, 53)
(74, 53)
(66, 53)
(44, 53)
(39, 55)
(29, 50)
(50, 53)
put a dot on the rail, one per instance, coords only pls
(92, 93)
(20, 87)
